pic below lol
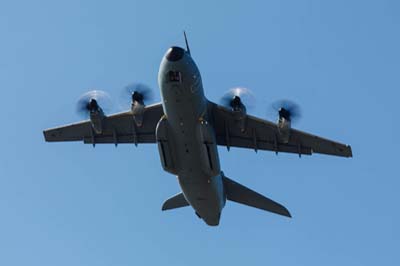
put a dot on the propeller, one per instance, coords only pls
(136, 92)
(91, 102)
(287, 109)
(238, 97)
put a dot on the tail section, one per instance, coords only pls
(174, 202)
(241, 194)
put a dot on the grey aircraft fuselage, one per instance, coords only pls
(191, 138)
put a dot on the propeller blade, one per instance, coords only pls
(237, 96)
(93, 100)
(287, 109)
(136, 92)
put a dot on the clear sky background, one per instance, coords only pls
(69, 204)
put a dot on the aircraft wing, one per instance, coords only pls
(117, 128)
(264, 135)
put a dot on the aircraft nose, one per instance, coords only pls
(174, 53)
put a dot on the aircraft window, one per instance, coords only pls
(174, 76)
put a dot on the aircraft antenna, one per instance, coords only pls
(186, 41)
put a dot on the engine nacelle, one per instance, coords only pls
(137, 109)
(96, 119)
(239, 112)
(287, 112)
(96, 114)
(284, 127)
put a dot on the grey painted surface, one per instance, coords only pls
(187, 129)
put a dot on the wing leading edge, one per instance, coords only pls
(117, 128)
(264, 135)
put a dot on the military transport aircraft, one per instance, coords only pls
(187, 129)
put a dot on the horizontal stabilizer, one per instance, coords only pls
(174, 202)
(241, 194)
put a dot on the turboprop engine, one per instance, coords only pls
(88, 105)
(140, 94)
(234, 99)
(287, 112)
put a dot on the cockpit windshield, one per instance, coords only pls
(174, 76)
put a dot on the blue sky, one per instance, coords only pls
(70, 204)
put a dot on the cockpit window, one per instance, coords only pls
(174, 76)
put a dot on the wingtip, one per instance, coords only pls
(286, 213)
(45, 135)
(350, 151)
